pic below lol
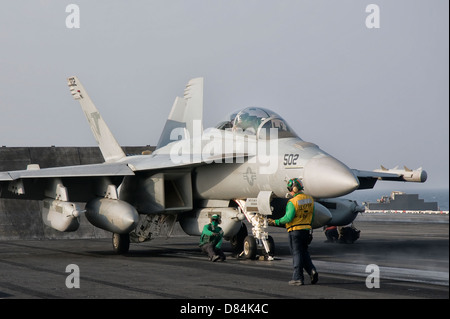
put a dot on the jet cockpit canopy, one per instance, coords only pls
(257, 121)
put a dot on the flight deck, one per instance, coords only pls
(412, 257)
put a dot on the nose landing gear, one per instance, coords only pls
(252, 249)
(256, 211)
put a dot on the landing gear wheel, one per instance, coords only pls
(250, 247)
(237, 242)
(121, 243)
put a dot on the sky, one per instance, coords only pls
(368, 96)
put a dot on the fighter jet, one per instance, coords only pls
(238, 170)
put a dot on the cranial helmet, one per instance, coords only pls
(216, 217)
(294, 182)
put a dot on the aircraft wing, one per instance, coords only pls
(115, 169)
(39, 183)
(83, 180)
(164, 161)
(367, 179)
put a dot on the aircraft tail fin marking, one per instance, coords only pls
(193, 95)
(108, 145)
(185, 111)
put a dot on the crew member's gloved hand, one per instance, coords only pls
(271, 222)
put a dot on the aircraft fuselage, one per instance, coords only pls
(323, 175)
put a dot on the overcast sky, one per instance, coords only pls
(368, 96)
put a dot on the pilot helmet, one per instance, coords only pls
(294, 182)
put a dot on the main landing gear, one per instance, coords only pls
(121, 243)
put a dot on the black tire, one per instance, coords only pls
(237, 242)
(250, 247)
(121, 243)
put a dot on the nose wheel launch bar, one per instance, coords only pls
(256, 211)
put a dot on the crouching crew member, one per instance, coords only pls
(211, 239)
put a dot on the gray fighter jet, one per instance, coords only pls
(238, 170)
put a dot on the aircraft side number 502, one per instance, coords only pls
(290, 159)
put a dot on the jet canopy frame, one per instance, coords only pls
(257, 121)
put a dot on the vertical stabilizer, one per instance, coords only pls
(109, 147)
(185, 111)
(193, 95)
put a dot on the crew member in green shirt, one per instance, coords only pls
(211, 239)
(298, 220)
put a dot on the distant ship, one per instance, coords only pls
(401, 201)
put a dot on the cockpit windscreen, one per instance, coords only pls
(258, 121)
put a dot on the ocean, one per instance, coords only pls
(441, 196)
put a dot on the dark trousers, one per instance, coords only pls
(332, 235)
(298, 242)
(212, 251)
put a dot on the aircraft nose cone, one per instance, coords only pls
(327, 177)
